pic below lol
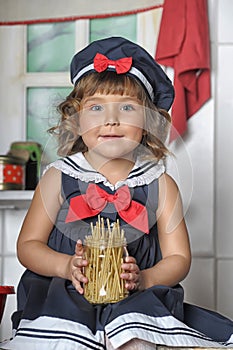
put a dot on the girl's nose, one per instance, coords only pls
(111, 123)
(112, 115)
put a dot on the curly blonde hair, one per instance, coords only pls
(157, 121)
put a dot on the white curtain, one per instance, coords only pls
(29, 11)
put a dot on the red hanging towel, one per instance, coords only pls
(183, 44)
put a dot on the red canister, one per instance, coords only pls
(12, 173)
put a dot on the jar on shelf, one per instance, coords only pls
(31, 152)
(12, 173)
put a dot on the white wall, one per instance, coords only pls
(223, 157)
(209, 218)
(204, 172)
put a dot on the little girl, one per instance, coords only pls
(112, 135)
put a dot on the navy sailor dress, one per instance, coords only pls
(51, 314)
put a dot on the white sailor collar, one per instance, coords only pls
(76, 166)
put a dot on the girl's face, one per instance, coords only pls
(111, 126)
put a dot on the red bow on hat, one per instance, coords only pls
(102, 62)
(96, 199)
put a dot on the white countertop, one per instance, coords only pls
(15, 199)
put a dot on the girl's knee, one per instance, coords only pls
(134, 344)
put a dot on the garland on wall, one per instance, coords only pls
(25, 12)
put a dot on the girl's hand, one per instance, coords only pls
(77, 264)
(131, 273)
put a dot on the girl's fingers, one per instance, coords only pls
(130, 264)
(77, 279)
(78, 286)
(78, 276)
(79, 262)
(131, 273)
(130, 259)
(132, 286)
(130, 267)
(130, 277)
(79, 248)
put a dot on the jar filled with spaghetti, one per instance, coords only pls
(105, 249)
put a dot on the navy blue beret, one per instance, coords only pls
(124, 57)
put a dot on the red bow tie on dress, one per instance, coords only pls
(102, 62)
(96, 199)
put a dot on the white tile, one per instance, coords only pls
(12, 272)
(6, 327)
(212, 13)
(224, 159)
(199, 285)
(225, 287)
(225, 23)
(1, 271)
(1, 230)
(193, 170)
(13, 222)
(225, 73)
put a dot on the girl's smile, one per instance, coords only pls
(110, 136)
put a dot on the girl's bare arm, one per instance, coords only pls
(32, 248)
(173, 238)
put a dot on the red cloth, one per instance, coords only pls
(183, 44)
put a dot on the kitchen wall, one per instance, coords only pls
(203, 168)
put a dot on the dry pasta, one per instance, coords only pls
(104, 250)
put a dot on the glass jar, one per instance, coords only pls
(105, 253)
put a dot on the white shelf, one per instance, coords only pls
(15, 199)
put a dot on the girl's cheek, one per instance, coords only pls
(89, 123)
(85, 125)
(89, 128)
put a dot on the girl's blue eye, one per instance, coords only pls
(96, 108)
(128, 108)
